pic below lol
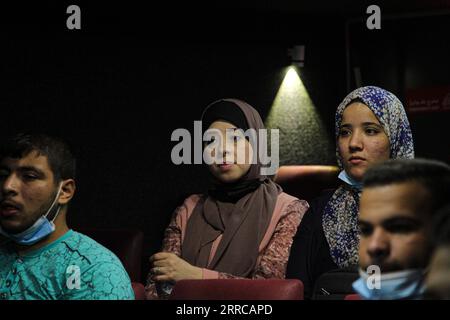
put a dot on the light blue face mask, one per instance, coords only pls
(349, 180)
(406, 284)
(38, 231)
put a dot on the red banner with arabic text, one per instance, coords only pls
(431, 99)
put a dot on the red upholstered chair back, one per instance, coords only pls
(353, 296)
(238, 289)
(139, 290)
(126, 244)
(307, 182)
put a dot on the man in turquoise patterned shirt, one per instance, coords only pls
(40, 257)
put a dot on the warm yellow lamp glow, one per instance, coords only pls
(303, 138)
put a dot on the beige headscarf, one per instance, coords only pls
(241, 211)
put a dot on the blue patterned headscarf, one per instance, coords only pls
(340, 217)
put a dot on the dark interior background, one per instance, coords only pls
(118, 88)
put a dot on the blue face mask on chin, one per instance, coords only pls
(349, 180)
(406, 284)
(38, 231)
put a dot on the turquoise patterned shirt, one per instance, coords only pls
(73, 267)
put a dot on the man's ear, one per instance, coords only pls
(68, 188)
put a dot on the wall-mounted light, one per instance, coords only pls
(297, 54)
(303, 136)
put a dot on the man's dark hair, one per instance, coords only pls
(60, 157)
(433, 175)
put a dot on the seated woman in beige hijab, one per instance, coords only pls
(242, 228)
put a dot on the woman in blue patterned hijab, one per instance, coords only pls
(371, 126)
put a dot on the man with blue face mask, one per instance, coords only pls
(398, 201)
(40, 257)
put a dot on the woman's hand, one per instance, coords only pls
(170, 267)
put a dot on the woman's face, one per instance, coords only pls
(362, 141)
(229, 169)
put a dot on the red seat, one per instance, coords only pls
(307, 182)
(238, 289)
(126, 244)
(353, 296)
(139, 290)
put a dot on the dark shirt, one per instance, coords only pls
(310, 253)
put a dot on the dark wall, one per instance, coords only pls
(408, 53)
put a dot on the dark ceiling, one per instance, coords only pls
(342, 7)
(191, 18)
